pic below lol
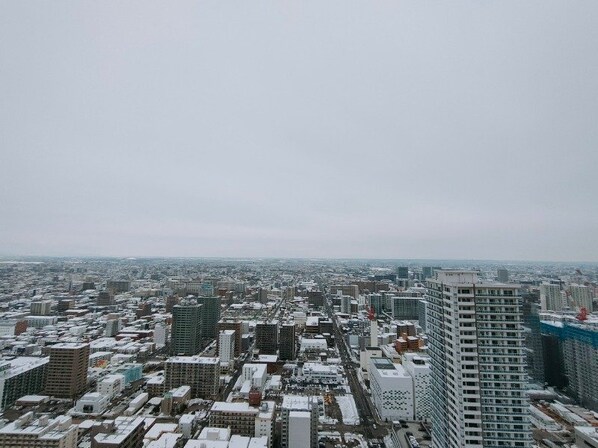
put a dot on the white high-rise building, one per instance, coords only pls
(478, 363)
(582, 297)
(550, 297)
(160, 335)
(418, 367)
(226, 346)
(392, 390)
(299, 427)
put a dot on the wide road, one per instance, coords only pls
(366, 415)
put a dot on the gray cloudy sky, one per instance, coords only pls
(395, 129)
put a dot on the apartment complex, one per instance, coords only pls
(243, 419)
(67, 370)
(27, 432)
(21, 376)
(210, 315)
(578, 343)
(478, 363)
(226, 346)
(123, 432)
(551, 298)
(186, 329)
(201, 373)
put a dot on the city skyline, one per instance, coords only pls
(300, 130)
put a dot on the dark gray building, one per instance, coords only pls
(210, 315)
(186, 329)
(266, 337)
(287, 348)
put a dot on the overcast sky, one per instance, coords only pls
(383, 129)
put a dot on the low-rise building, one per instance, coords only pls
(41, 433)
(123, 432)
(92, 403)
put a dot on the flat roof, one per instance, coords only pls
(193, 360)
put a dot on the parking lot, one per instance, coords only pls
(415, 429)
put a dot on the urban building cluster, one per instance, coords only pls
(164, 353)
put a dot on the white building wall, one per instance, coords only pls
(392, 392)
(226, 345)
(421, 375)
(299, 429)
(112, 385)
(160, 335)
(256, 373)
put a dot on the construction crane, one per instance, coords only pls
(583, 312)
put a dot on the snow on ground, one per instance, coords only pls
(347, 406)
(328, 420)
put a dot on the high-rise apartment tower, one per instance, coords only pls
(186, 329)
(478, 363)
(67, 370)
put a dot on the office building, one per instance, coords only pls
(186, 329)
(299, 428)
(427, 272)
(405, 308)
(392, 389)
(345, 304)
(266, 337)
(122, 432)
(287, 349)
(315, 299)
(478, 363)
(67, 370)
(551, 298)
(376, 303)
(402, 272)
(502, 275)
(21, 376)
(201, 373)
(226, 346)
(210, 315)
(27, 432)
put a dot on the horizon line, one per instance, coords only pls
(4, 258)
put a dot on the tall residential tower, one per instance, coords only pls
(478, 363)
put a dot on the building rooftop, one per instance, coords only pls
(123, 427)
(16, 366)
(69, 345)
(296, 402)
(193, 360)
(222, 406)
